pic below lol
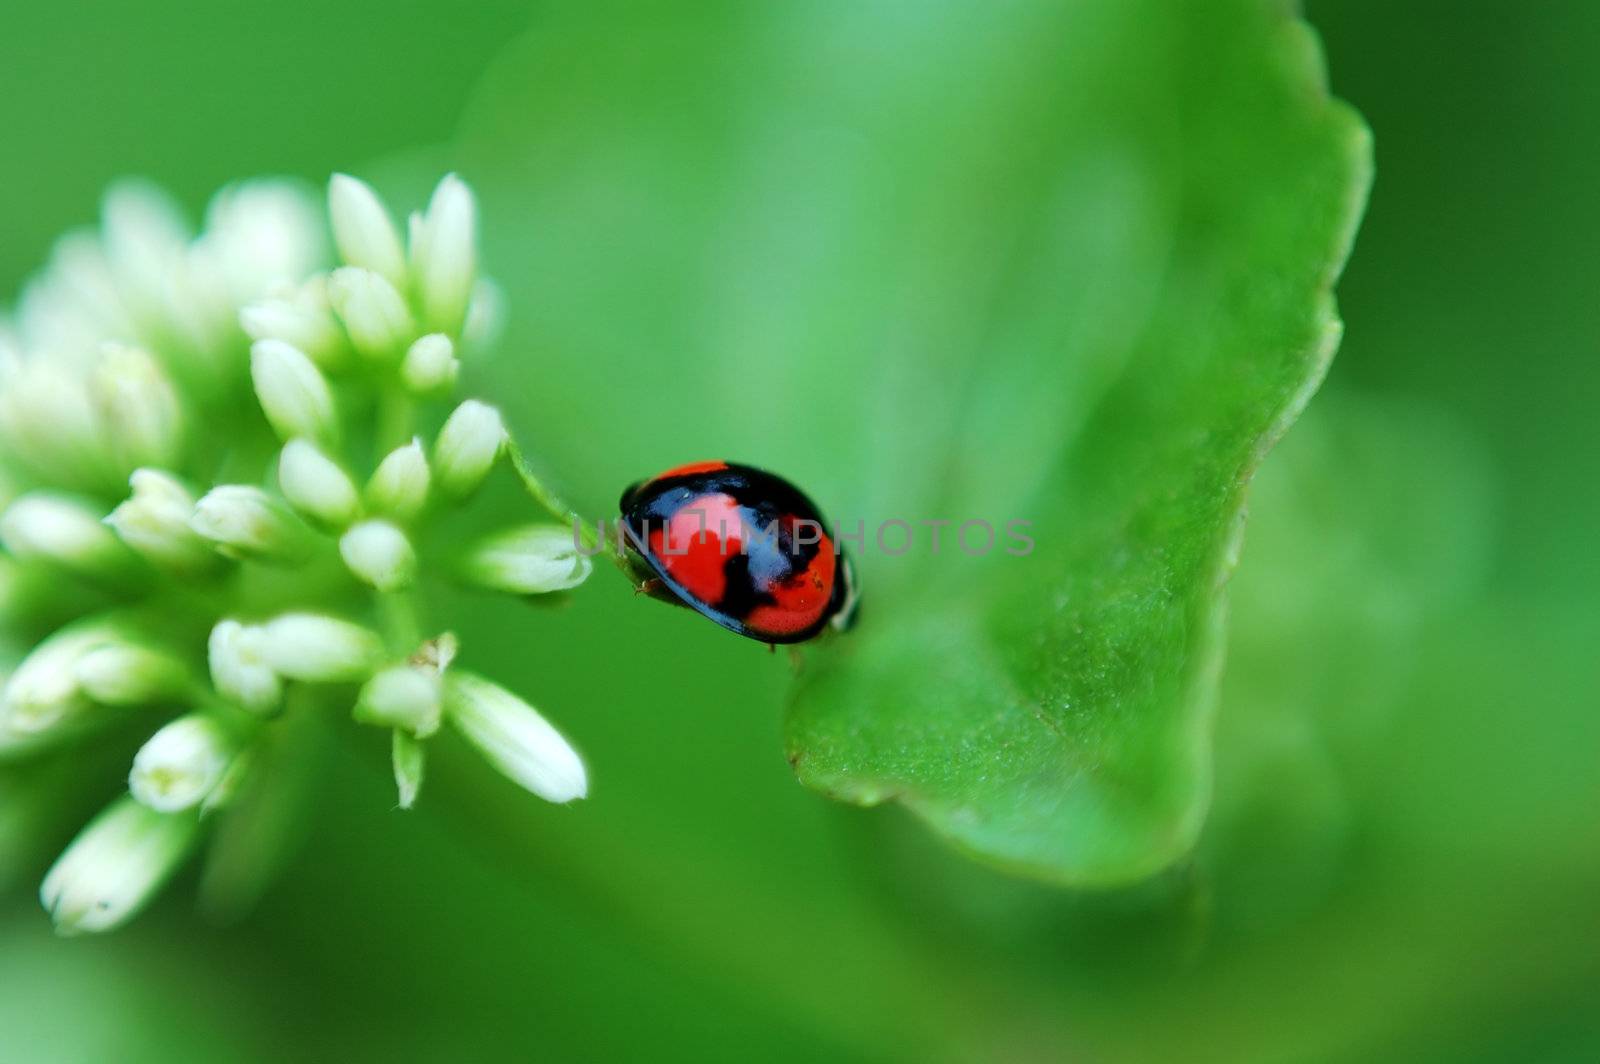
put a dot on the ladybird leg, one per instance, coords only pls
(657, 589)
(797, 659)
(772, 648)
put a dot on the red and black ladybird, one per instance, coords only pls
(741, 546)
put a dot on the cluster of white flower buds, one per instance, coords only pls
(140, 376)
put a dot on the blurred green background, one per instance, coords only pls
(1402, 860)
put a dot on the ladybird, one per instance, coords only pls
(740, 546)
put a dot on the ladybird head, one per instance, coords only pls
(629, 493)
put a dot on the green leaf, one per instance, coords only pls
(1060, 264)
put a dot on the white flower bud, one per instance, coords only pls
(180, 764)
(143, 420)
(315, 485)
(293, 393)
(470, 441)
(406, 697)
(51, 318)
(318, 649)
(48, 423)
(362, 228)
(44, 695)
(399, 486)
(409, 761)
(78, 265)
(200, 306)
(444, 255)
(414, 233)
(430, 365)
(374, 314)
(530, 560)
(245, 522)
(486, 315)
(303, 320)
(125, 673)
(115, 865)
(281, 318)
(64, 530)
(514, 737)
(239, 668)
(11, 356)
(145, 239)
(263, 233)
(154, 521)
(379, 554)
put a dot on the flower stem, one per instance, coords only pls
(396, 418)
(588, 535)
(397, 613)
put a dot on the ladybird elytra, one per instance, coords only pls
(742, 547)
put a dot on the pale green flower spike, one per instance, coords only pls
(531, 560)
(409, 697)
(244, 522)
(62, 688)
(373, 311)
(408, 755)
(181, 764)
(293, 393)
(304, 320)
(65, 530)
(239, 669)
(514, 737)
(115, 865)
(399, 486)
(470, 442)
(155, 522)
(379, 554)
(430, 365)
(362, 228)
(315, 485)
(212, 456)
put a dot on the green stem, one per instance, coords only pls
(396, 418)
(397, 612)
(588, 535)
